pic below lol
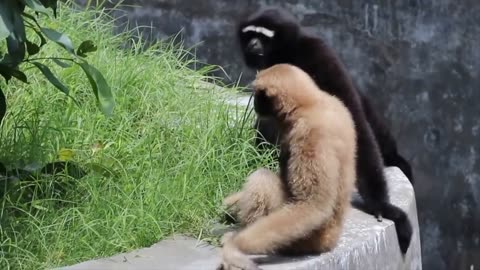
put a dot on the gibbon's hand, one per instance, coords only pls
(373, 209)
(234, 259)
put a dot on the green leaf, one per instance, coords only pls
(37, 205)
(36, 6)
(32, 48)
(51, 77)
(16, 51)
(59, 38)
(8, 72)
(65, 154)
(86, 47)
(4, 27)
(11, 17)
(6, 19)
(19, 75)
(100, 88)
(39, 34)
(50, 4)
(61, 63)
(31, 17)
(42, 38)
(11, 22)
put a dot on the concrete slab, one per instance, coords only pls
(365, 245)
(240, 99)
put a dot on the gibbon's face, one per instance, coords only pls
(267, 88)
(256, 43)
(266, 37)
(263, 104)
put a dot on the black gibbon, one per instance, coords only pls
(272, 36)
(300, 210)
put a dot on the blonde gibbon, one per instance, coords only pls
(301, 209)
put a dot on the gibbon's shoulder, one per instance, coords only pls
(293, 87)
(298, 96)
(329, 118)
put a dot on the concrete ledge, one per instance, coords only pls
(365, 245)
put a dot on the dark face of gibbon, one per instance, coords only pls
(265, 36)
(256, 48)
(263, 104)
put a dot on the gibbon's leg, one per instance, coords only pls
(273, 232)
(371, 183)
(372, 186)
(262, 193)
(326, 238)
(386, 141)
(321, 240)
(289, 223)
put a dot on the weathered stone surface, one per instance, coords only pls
(366, 244)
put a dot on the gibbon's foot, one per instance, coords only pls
(234, 259)
(227, 237)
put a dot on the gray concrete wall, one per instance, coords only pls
(420, 63)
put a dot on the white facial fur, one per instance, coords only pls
(259, 29)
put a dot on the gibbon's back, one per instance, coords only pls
(298, 90)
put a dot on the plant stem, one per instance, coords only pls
(49, 58)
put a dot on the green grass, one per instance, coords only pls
(174, 152)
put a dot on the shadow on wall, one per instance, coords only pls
(419, 62)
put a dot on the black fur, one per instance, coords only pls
(267, 132)
(266, 125)
(386, 142)
(265, 109)
(292, 45)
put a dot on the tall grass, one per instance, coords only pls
(170, 152)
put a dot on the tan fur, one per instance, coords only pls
(261, 194)
(304, 213)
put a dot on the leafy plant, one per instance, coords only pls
(14, 20)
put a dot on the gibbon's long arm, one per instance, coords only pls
(262, 193)
(280, 228)
(291, 222)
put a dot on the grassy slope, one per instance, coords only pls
(176, 153)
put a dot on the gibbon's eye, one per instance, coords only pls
(263, 104)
